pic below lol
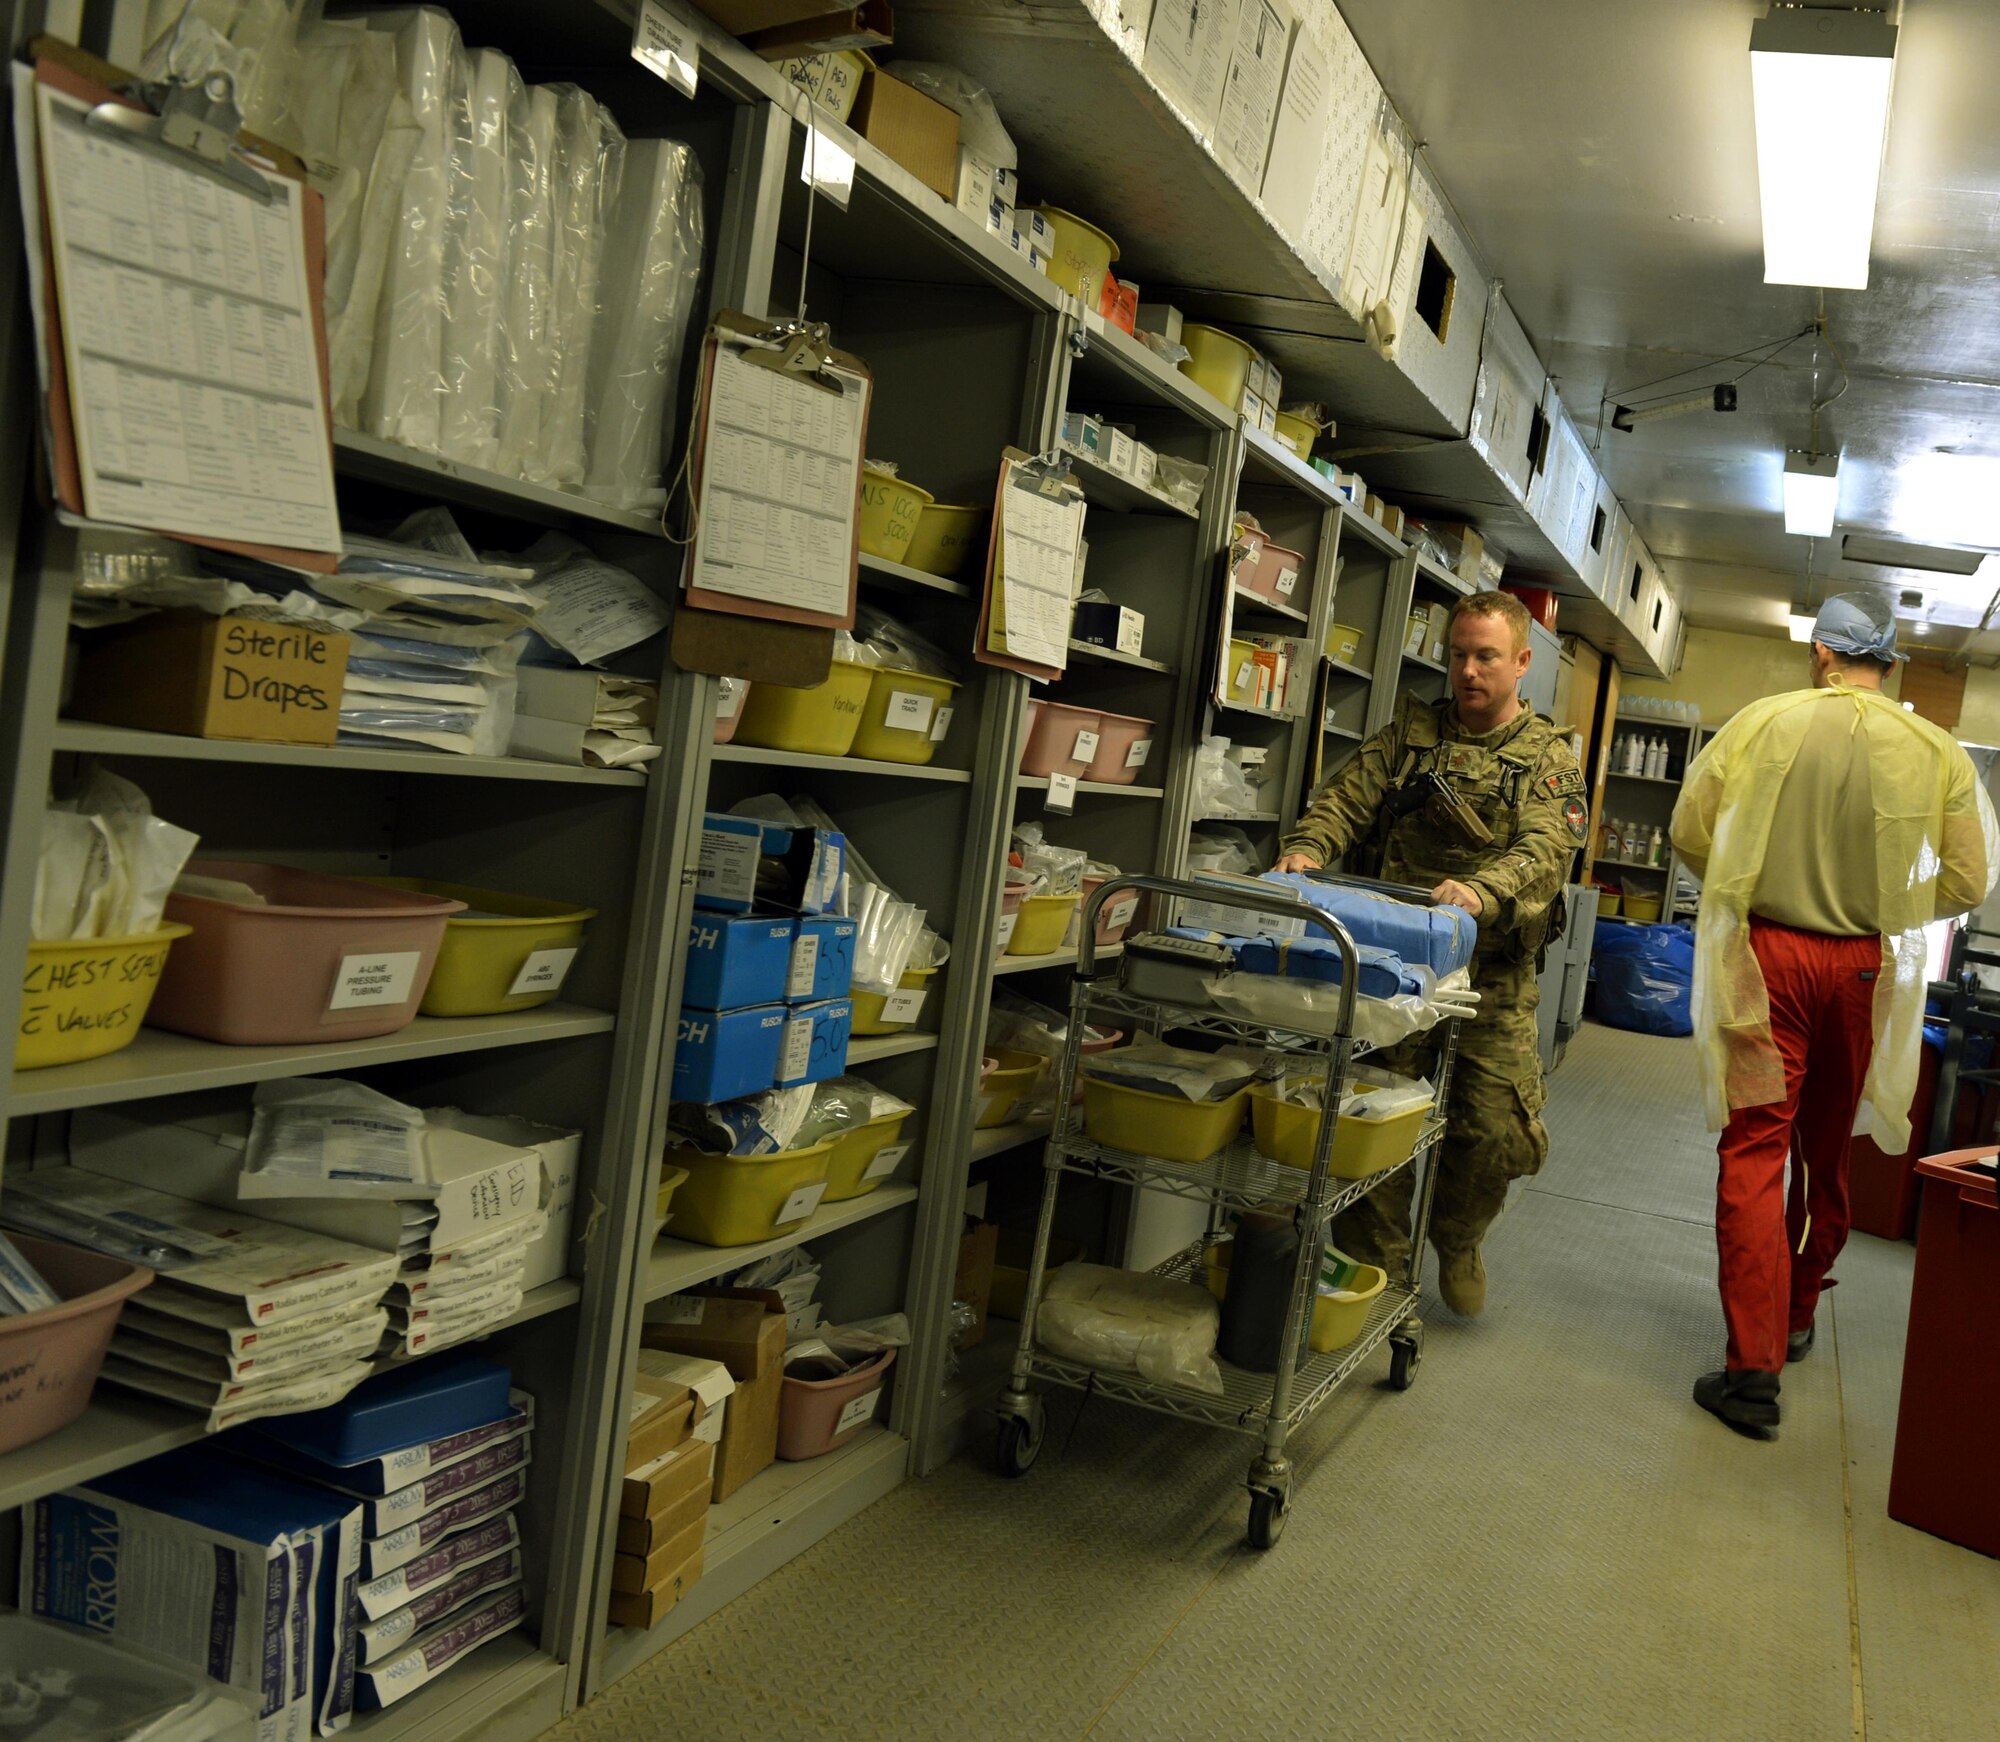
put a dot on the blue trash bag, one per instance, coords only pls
(1645, 977)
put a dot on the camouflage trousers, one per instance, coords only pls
(1493, 1131)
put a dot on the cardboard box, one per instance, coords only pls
(1145, 465)
(650, 1607)
(649, 1491)
(1162, 318)
(213, 677)
(1392, 519)
(663, 1413)
(1465, 547)
(973, 1283)
(744, 863)
(733, 963)
(720, 1055)
(1105, 625)
(744, 1329)
(562, 1157)
(917, 131)
(707, 1381)
(646, 1536)
(682, 1530)
(833, 81)
(977, 197)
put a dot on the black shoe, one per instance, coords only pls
(1799, 1344)
(1746, 1399)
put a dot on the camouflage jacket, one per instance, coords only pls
(1522, 782)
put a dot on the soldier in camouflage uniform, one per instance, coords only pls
(1407, 792)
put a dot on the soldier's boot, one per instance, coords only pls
(1744, 1398)
(1462, 1282)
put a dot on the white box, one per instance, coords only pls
(1162, 318)
(1035, 232)
(1274, 393)
(1253, 409)
(562, 1157)
(1121, 451)
(1145, 467)
(975, 185)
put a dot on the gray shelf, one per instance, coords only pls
(1239, 817)
(1257, 602)
(1040, 783)
(160, 1063)
(1427, 664)
(85, 738)
(1256, 713)
(1441, 578)
(679, 1264)
(1644, 779)
(903, 579)
(854, 767)
(1053, 959)
(1343, 732)
(999, 1139)
(888, 1046)
(365, 456)
(1092, 654)
(1631, 864)
(509, 1690)
(1346, 670)
(1114, 365)
(1266, 460)
(1104, 488)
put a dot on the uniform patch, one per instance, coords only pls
(1577, 815)
(1563, 782)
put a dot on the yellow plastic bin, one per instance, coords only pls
(1083, 255)
(671, 1180)
(947, 538)
(868, 1006)
(899, 719)
(1644, 908)
(890, 507)
(1336, 1322)
(1217, 361)
(1013, 1075)
(1344, 643)
(84, 997)
(855, 1152)
(1609, 901)
(1297, 433)
(1361, 1145)
(1043, 924)
(1169, 1126)
(1242, 673)
(504, 952)
(820, 721)
(732, 1200)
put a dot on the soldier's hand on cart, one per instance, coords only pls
(1450, 894)
(1296, 862)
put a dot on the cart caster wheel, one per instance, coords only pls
(1019, 1443)
(1405, 1356)
(1267, 1516)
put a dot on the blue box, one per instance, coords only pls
(404, 1406)
(815, 1045)
(747, 863)
(720, 1055)
(736, 962)
(822, 960)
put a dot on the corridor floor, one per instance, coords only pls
(1544, 1539)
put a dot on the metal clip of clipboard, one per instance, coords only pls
(802, 350)
(197, 124)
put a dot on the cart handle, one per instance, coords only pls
(1275, 901)
(1407, 892)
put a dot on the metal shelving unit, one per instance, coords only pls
(1649, 799)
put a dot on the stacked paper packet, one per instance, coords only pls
(247, 1317)
(439, 1545)
(595, 718)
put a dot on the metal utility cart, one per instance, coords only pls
(1268, 1407)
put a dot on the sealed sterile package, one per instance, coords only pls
(1131, 1322)
(528, 362)
(1160, 1069)
(327, 1137)
(1052, 870)
(588, 171)
(1367, 1090)
(845, 1104)
(106, 865)
(647, 286)
(894, 643)
(1313, 1007)
(755, 1125)
(585, 606)
(476, 261)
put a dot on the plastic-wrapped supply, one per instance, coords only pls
(1221, 786)
(1369, 1090)
(586, 607)
(894, 644)
(251, 40)
(1160, 1069)
(1017, 1023)
(794, 1274)
(1436, 937)
(404, 401)
(528, 362)
(846, 1104)
(765, 1124)
(980, 129)
(589, 169)
(1126, 1321)
(1645, 977)
(477, 261)
(1180, 481)
(107, 864)
(1379, 973)
(1051, 870)
(647, 288)
(323, 1137)
(1313, 1007)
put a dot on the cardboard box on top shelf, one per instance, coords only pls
(917, 131)
(833, 81)
(744, 1329)
(213, 677)
(973, 1283)
(784, 30)
(1392, 519)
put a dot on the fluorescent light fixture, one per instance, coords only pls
(1812, 493)
(1947, 498)
(1802, 627)
(1820, 81)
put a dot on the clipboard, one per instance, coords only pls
(1045, 472)
(198, 143)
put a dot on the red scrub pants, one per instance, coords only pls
(1776, 1246)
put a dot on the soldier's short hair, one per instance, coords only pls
(1493, 605)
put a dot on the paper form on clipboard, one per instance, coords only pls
(194, 378)
(780, 479)
(1040, 524)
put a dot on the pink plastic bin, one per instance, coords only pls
(1051, 746)
(288, 974)
(726, 724)
(1274, 573)
(816, 1416)
(1108, 931)
(55, 1353)
(1116, 736)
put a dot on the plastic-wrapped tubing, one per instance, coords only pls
(528, 359)
(646, 294)
(477, 263)
(588, 166)
(405, 395)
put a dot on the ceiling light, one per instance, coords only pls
(1947, 498)
(1820, 82)
(1802, 627)
(1812, 493)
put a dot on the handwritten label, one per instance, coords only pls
(885, 1161)
(940, 725)
(1287, 581)
(1062, 793)
(543, 971)
(862, 1409)
(372, 982)
(1086, 747)
(805, 966)
(800, 1204)
(1136, 756)
(664, 45)
(902, 1005)
(908, 712)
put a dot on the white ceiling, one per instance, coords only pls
(1602, 155)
